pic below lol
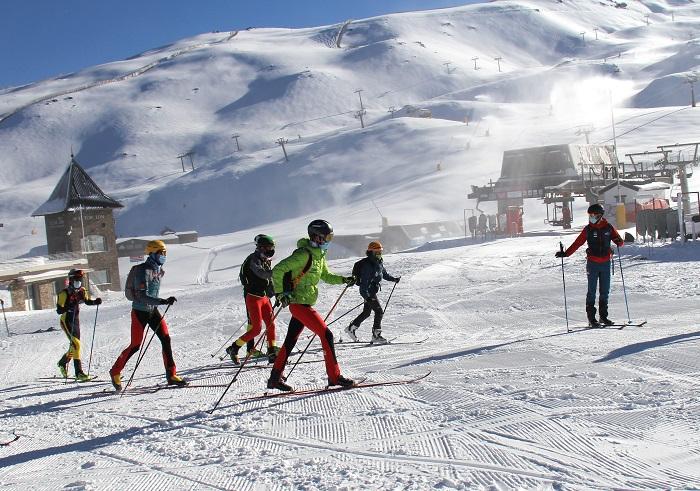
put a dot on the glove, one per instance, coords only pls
(97, 301)
(349, 280)
(284, 299)
(398, 278)
(560, 254)
(168, 301)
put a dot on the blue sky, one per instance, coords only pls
(43, 38)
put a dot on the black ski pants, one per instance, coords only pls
(371, 304)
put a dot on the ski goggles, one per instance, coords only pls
(323, 239)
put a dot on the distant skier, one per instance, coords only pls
(295, 281)
(483, 225)
(473, 225)
(143, 284)
(256, 278)
(598, 233)
(68, 307)
(368, 273)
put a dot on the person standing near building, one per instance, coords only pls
(368, 272)
(143, 284)
(256, 278)
(68, 307)
(598, 234)
(295, 281)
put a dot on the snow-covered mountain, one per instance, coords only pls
(128, 121)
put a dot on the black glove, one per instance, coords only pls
(171, 300)
(349, 280)
(284, 299)
(97, 301)
(398, 278)
(560, 254)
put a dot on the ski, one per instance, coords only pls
(616, 326)
(7, 443)
(57, 378)
(390, 342)
(358, 385)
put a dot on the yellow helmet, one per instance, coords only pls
(155, 246)
(375, 246)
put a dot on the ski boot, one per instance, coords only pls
(341, 381)
(603, 308)
(175, 379)
(377, 338)
(350, 331)
(590, 313)
(82, 377)
(277, 381)
(256, 353)
(232, 351)
(272, 352)
(63, 367)
(116, 381)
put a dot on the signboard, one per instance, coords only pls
(6, 296)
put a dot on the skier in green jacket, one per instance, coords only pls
(295, 281)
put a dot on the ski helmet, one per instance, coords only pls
(75, 274)
(262, 240)
(155, 246)
(596, 209)
(320, 231)
(375, 246)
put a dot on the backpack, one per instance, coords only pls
(129, 287)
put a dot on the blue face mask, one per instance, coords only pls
(158, 258)
(323, 247)
(593, 219)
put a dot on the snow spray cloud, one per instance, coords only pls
(587, 101)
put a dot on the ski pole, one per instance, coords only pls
(2, 304)
(563, 280)
(92, 343)
(229, 339)
(390, 294)
(624, 290)
(346, 313)
(142, 351)
(245, 360)
(314, 336)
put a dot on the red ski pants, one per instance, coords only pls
(139, 320)
(305, 315)
(259, 310)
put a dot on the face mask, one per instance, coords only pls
(268, 253)
(593, 219)
(323, 247)
(77, 284)
(159, 258)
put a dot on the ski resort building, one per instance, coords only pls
(79, 220)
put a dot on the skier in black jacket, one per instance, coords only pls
(368, 273)
(256, 278)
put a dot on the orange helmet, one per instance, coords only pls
(375, 246)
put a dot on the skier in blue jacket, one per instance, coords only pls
(368, 273)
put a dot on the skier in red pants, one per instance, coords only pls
(144, 311)
(256, 278)
(295, 280)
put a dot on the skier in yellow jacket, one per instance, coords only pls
(68, 307)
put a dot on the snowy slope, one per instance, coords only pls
(128, 121)
(512, 401)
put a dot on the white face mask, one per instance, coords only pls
(77, 284)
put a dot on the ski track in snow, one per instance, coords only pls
(512, 401)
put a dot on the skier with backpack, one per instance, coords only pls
(295, 281)
(368, 272)
(598, 234)
(142, 288)
(68, 307)
(256, 278)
